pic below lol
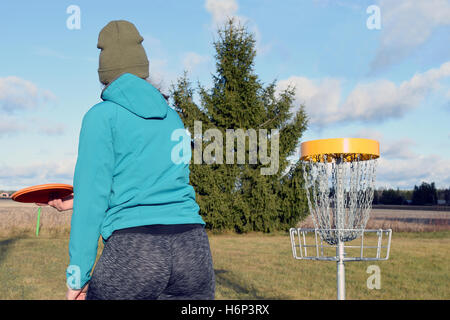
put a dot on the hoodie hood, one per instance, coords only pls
(137, 96)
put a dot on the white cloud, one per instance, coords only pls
(10, 125)
(51, 53)
(20, 94)
(153, 46)
(350, 4)
(390, 148)
(15, 177)
(221, 10)
(399, 149)
(321, 98)
(367, 102)
(370, 134)
(400, 166)
(384, 99)
(406, 173)
(405, 26)
(193, 60)
(52, 129)
(261, 48)
(159, 71)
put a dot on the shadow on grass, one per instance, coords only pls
(5, 246)
(226, 279)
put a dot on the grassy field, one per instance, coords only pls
(250, 266)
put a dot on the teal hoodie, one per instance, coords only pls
(125, 175)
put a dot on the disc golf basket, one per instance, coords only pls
(339, 179)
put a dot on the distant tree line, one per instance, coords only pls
(425, 194)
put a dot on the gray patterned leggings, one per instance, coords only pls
(148, 266)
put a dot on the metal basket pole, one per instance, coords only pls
(340, 275)
(340, 220)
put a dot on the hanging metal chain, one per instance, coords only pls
(339, 194)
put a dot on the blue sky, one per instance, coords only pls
(391, 84)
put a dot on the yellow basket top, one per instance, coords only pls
(348, 148)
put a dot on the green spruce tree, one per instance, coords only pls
(237, 196)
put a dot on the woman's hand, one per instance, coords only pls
(77, 294)
(60, 204)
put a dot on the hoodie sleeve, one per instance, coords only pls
(91, 185)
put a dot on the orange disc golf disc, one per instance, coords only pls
(42, 193)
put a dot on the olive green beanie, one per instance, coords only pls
(121, 52)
